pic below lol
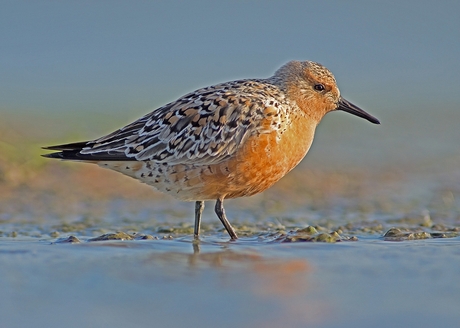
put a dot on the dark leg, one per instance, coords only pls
(221, 215)
(199, 207)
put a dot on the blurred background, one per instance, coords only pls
(76, 70)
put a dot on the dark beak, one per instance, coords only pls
(348, 107)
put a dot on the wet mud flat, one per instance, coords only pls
(175, 282)
(321, 249)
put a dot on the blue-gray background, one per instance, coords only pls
(396, 59)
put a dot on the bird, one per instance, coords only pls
(229, 140)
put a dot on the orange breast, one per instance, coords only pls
(262, 161)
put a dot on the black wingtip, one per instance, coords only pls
(75, 146)
(50, 148)
(72, 152)
(72, 155)
(66, 151)
(53, 155)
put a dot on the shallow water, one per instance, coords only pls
(354, 237)
(245, 283)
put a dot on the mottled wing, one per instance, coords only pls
(203, 127)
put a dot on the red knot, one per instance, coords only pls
(228, 140)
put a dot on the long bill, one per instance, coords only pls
(348, 107)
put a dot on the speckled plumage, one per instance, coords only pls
(229, 140)
(200, 128)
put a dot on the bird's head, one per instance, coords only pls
(313, 87)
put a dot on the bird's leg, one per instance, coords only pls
(199, 207)
(221, 215)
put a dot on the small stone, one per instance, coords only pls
(120, 235)
(70, 239)
(310, 230)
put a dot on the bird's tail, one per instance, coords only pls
(73, 152)
(69, 151)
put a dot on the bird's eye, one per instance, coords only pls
(319, 87)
